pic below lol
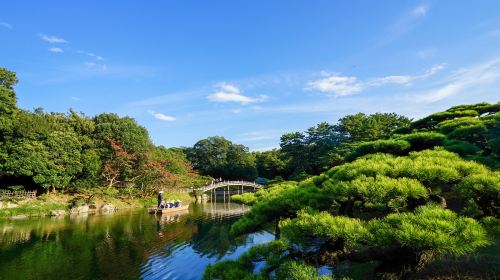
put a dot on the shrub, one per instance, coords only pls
(484, 190)
(395, 147)
(423, 140)
(462, 148)
(430, 229)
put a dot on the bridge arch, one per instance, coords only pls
(223, 184)
(201, 193)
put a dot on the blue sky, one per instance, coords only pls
(250, 70)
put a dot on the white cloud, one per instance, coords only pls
(56, 50)
(260, 135)
(231, 93)
(162, 117)
(93, 55)
(336, 84)
(265, 149)
(404, 24)
(401, 80)
(339, 85)
(419, 11)
(51, 39)
(464, 79)
(5, 24)
(95, 65)
(75, 98)
(405, 79)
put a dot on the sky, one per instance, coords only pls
(250, 70)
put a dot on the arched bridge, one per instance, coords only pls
(226, 188)
(223, 184)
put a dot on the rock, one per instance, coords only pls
(19, 217)
(54, 213)
(108, 208)
(80, 209)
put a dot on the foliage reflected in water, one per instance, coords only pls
(124, 245)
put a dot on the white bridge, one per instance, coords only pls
(227, 184)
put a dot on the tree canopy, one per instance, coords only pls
(74, 152)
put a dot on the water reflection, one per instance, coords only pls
(125, 245)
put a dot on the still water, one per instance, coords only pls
(123, 245)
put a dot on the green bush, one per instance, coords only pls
(423, 140)
(395, 147)
(484, 190)
(462, 148)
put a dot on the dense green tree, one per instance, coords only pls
(133, 137)
(8, 100)
(269, 164)
(326, 145)
(361, 127)
(220, 158)
(75, 152)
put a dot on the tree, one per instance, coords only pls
(326, 145)
(377, 208)
(269, 164)
(131, 136)
(361, 127)
(8, 100)
(219, 157)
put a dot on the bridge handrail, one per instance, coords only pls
(229, 183)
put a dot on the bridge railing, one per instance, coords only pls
(215, 185)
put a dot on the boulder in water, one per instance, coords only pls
(55, 213)
(108, 208)
(80, 209)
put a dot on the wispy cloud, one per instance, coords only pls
(51, 39)
(230, 93)
(463, 80)
(95, 65)
(75, 98)
(93, 55)
(162, 117)
(260, 135)
(5, 24)
(404, 24)
(419, 11)
(56, 50)
(338, 85)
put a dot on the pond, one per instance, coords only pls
(123, 245)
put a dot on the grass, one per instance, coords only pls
(33, 207)
(42, 205)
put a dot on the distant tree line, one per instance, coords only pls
(301, 154)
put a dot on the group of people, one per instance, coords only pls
(167, 204)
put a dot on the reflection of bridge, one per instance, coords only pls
(216, 209)
(228, 188)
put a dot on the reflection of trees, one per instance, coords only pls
(213, 239)
(111, 247)
(104, 247)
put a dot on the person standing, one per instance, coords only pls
(160, 198)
